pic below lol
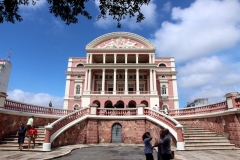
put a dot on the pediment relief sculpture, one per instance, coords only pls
(120, 43)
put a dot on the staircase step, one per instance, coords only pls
(205, 138)
(193, 133)
(206, 141)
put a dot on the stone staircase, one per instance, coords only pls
(11, 143)
(199, 139)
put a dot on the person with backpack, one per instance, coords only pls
(21, 135)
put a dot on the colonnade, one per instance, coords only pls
(88, 80)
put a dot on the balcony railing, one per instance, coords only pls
(119, 92)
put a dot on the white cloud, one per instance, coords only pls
(206, 27)
(58, 25)
(41, 99)
(167, 7)
(211, 78)
(149, 11)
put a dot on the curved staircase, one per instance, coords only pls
(197, 138)
(11, 143)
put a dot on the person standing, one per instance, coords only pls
(21, 135)
(147, 146)
(165, 143)
(50, 104)
(30, 122)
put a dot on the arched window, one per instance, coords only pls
(78, 89)
(164, 89)
(162, 65)
(80, 65)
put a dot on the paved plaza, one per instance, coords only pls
(113, 152)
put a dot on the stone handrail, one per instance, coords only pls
(56, 125)
(162, 117)
(220, 106)
(24, 107)
(117, 112)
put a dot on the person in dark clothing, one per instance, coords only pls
(21, 135)
(165, 143)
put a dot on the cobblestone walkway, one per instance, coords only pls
(113, 152)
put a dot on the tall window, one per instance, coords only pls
(164, 89)
(78, 89)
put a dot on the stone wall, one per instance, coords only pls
(10, 123)
(99, 131)
(227, 126)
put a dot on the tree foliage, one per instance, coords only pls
(68, 10)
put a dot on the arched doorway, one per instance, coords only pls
(132, 104)
(116, 133)
(145, 102)
(120, 104)
(108, 104)
(97, 103)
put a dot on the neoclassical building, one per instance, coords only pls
(120, 70)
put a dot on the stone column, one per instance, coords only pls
(114, 81)
(230, 98)
(136, 58)
(180, 141)
(47, 143)
(153, 58)
(154, 80)
(86, 80)
(137, 81)
(104, 58)
(126, 81)
(90, 59)
(115, 58)
(126, 56)
(151, 85)
(89, 80)
(140, 109)
(93, 109)
(150, 60)
(103, 81)
(2, 99)
(87, 58)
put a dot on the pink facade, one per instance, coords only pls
(121, 70)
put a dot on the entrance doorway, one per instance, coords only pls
(116, 133)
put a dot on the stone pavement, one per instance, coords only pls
(113, 152)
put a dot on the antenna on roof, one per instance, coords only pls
(9, 55)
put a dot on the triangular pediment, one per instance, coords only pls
(120, 40)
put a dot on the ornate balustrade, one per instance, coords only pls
(117, 112)
(121, 92)
(24, 107)
(161, 117)
(220, 106)
(61, 122)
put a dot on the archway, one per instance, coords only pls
(116, 133)
(132, 104)
(145, 102)
(119, 104)
(108, 104)
(97, 103)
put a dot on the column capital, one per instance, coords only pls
(103, 69)
(114, 69)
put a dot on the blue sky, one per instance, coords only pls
(202, 35)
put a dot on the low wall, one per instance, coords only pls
(10, 122)
(99, 131)
(226, 125)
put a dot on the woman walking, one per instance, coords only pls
(148, 146)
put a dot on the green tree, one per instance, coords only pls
(68, 10)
